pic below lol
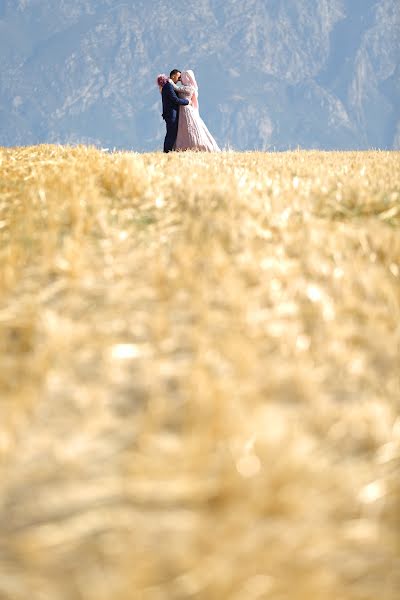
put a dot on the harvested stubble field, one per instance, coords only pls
(199, 375)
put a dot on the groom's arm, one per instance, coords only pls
(174, 97)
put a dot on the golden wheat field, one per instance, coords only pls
(199, 375)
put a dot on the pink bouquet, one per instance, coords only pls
(162, 80)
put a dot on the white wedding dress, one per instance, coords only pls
(192, 131)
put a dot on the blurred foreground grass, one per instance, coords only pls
(199, 375)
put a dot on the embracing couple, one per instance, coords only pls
(186, 130)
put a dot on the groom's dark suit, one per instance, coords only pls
(171, 103)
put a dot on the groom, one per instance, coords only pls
(171, 103)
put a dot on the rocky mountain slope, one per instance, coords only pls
(272, 73)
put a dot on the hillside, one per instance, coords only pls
(199, 375)
(273, 74)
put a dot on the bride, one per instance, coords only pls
(192, 131)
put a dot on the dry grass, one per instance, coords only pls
(199, 375)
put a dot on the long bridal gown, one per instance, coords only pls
(192, 131)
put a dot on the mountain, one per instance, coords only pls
(273, 74)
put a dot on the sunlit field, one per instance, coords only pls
(199, 375)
